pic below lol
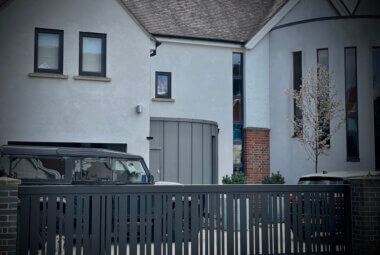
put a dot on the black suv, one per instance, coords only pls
(61, 165)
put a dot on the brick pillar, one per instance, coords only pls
(8, 215)
(365, 211)
(256, 154)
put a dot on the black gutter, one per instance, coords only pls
(326, 18)
(200, 39)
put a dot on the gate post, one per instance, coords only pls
(8, 215)
(365, 198)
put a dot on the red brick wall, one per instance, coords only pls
(256, 153)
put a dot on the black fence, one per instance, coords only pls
(196, 219)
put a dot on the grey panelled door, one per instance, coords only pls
(184, 150)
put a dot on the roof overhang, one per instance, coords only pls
(270, 24)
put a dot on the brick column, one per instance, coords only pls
(365, 211)
(256, 154)
(8, 215)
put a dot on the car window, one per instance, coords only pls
(37, 168)
(4, 165)
(109, 170)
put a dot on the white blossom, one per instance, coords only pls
(317, 99)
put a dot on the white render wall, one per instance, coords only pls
(287, 155)
(201, 88)
(53, 110)
(256, 85)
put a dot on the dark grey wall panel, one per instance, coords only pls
(184, 152)
(155, 163)
(207, 150)
(170, 151)
(197, 151)
(156, 131)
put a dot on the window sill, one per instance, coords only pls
(168, 100)
(48, 75)
(353, 159)
(92, 78)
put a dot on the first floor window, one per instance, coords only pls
(163, 85)
(352, 125)
(323, 61)
(92, 54)
(48, 51)
(297, 82)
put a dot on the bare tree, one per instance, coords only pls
(317, 100)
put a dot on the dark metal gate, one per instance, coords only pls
(194, 219)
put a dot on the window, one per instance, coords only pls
(92, 54)
(37, 168)
(48, 51)
(237, 91)
(109, 170)
(297, 81)
(323, 60)
(376, 101)
(352, 133)
(163, 85)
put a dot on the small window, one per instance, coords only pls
(92, 54)
(163, 85)
(48, 51)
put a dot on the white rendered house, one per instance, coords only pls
(196, 88)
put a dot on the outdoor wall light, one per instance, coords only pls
(139, 109)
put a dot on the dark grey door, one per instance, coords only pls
(184, 150)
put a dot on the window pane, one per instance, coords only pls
(236, 61)
(297, 81)
(237, 110)
(376, 101)
(109, 170)
(48, 51)
(92, 54)
(162, 85)
(237, 153)
(238, 134)
(323, 59)
(351, 104)
(238, 84)
(38, 168)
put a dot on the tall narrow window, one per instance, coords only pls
(92, 54)
(237, 71)
(351, 104)
(297, 81)
(163, 85)
(376, 101)
(323, 60)
(48, 51)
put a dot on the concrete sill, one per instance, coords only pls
(48, 75)
(92, 78)
(168, 100)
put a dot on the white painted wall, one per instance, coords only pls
(201, 88)
(287, 155)
(309, 9)
(52, 110)
(256, 85)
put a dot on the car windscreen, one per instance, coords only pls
(109, 170)
(32, 168)
(328, 181)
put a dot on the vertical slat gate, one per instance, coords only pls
(198, 219)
